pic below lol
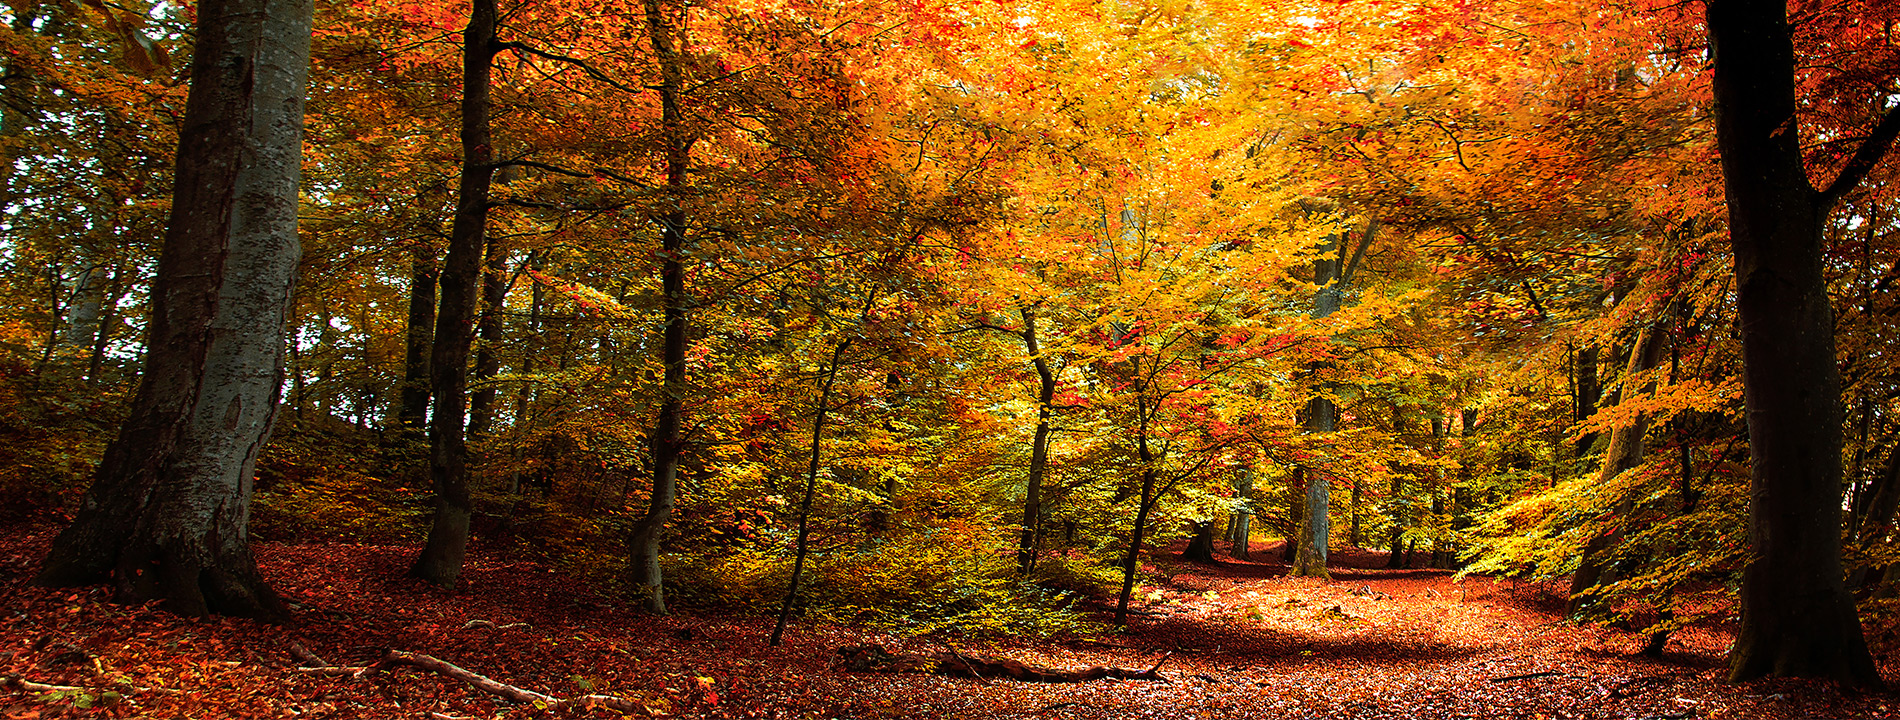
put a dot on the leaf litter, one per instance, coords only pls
(1246, 641)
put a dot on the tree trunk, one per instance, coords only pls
(665, 442)
(1149, 477)
(1625, 453)
(420, 334)
(1321, 417)
(440, 561)
(1589, 393)
(1039, 449)
(481, 405)
(1243, 519)
(1200, 548)
(166, 515)
(803, 547)
(1798, 619)
(1311, 557)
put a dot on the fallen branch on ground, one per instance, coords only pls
(482, 682)
(19, 683)
(873, 658)
(1526, 676)
(15, 682)
(492, 626)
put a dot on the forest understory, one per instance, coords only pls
(1241, 639)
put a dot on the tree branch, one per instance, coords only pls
(595, 73)
(1871, 151)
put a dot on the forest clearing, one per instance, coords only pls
(1241, 640)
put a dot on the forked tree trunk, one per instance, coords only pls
(1797, 617)
(665, 441)
(440, 561)
(166, 515)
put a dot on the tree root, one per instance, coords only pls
(473, 679)
(873, 658)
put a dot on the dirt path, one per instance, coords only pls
(1247, 642)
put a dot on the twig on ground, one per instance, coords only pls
(485, 684)
(492, 626)
(1526, 676)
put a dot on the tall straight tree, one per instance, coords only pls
(666, 441)
(440, 561)
(166, 515)
(1797, 617)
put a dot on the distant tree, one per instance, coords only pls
(165, 517)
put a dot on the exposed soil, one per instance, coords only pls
(1246, 641)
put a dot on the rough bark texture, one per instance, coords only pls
(165, 517)
(440, 561)
(665, 441)
(1797, 617)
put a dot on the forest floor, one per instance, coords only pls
(1246, 641)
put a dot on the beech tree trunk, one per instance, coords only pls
(440, 561)
(665, 442)
(481, 404)
(166, 515)
(1625, 453)
(423, 274)
(1039, 448)
(1798, 619)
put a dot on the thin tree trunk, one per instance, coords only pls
(166, 515)
(811, 485)
(1625, 453)
(420, 334)
(1150, 475)
(1797, 617)
(665, 441)
(1039, 448)
(481, 405)
(440, 561)
(1243, 519)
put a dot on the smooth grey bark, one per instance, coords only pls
(1332, 275)
(440, 561)
(166, 515)
(1243, 516)
(1798, 619)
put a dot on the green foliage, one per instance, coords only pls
(931, 581)
(314, 486)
